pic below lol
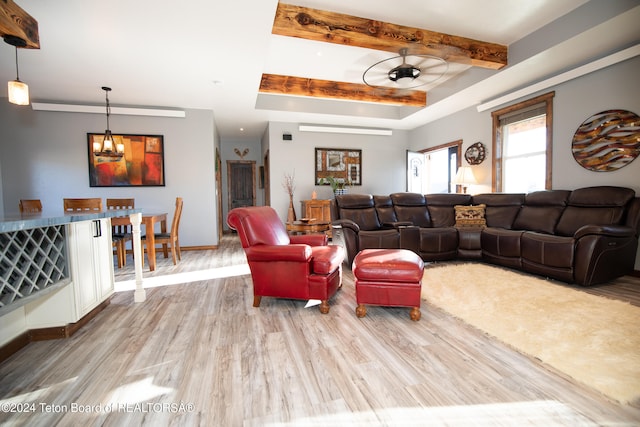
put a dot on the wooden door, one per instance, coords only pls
(241, 178)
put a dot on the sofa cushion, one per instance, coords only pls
(603, 205)
(441, 207)
(470, 216)
(541, 211)
(360, 209)
(442, 240)
(384, 239)
(384, 208)
(411, 207)
(502, 208)
(501, 242)
(549, 250)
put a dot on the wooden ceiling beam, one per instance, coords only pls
(17, 23)
(300, 86)
(331, 27)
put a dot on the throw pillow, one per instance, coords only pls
(470, 216)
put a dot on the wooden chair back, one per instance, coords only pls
(30, 205)
(77, 205)
(115, 204)
(171, 239)
(175, 224)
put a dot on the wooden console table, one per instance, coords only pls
(299, 227)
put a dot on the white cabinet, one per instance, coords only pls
(91, 262)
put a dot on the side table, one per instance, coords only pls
(300, 227)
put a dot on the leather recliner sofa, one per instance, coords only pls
(585, 236)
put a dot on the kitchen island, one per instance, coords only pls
(56, 272)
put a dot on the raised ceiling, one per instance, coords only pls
(215, 55)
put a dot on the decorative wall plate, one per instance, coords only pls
(475, 153)
(607, 141)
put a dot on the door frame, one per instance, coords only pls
(253, 177)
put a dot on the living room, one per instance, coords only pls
(193, 141)
(43, 154)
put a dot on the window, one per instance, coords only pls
(522, 146)
(432, 170)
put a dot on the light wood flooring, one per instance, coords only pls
(198, 353)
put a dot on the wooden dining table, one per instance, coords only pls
(149, 220)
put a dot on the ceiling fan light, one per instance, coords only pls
(18, 92)
(428, 70)
(403, 72)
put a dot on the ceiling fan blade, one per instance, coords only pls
(423, 62)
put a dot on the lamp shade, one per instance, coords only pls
(18, 92)
(464, 177)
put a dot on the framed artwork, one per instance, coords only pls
(340, 164)
(141, 165)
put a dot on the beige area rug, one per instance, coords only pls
(594, 340)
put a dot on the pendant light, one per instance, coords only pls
(108, 147)
(18, 91)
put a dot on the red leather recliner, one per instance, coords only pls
(282, 266)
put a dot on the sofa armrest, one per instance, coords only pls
(309, 239)
(262, 253)
(604, 230)
(346, 224)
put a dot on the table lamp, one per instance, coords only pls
(464, 177)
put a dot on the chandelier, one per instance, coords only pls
(108, 147)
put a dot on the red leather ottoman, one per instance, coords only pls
(388, 277)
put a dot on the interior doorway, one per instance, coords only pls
(432, 170)
(241, 183)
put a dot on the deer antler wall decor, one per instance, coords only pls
(241, 155)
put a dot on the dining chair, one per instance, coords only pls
(120, 234)
(30, 205)
(169, 239)
(77, 205)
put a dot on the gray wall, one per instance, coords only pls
(383, 163)
(574, 102)
(44, 155)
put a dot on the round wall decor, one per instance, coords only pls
(475, 153)
(607, 141)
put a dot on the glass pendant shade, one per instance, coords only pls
(18, 92)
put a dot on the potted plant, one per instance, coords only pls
(338, 185)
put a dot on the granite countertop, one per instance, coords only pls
(15, 222)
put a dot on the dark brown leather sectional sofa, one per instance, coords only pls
(585, 236)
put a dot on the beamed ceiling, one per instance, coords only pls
(257, 61)
(331, 27)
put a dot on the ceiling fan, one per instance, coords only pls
(398, 73)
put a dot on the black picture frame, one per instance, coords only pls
(142, 164)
